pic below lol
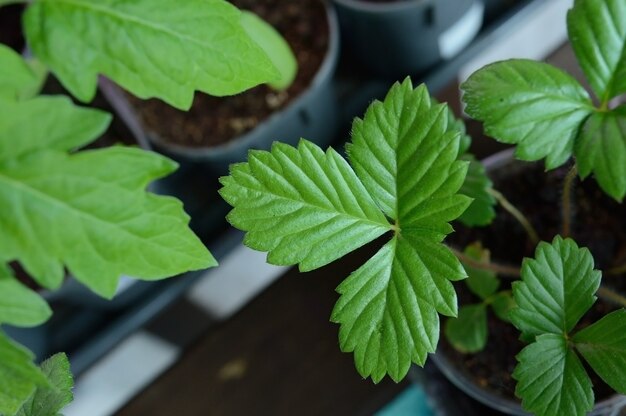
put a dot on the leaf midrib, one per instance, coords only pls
(134, 19)
(37, 194)
(386, 225)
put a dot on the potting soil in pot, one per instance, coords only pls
(212, 121)
(598, 223)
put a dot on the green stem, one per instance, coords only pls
(566, 201)
(517, 214)
(611, 296)
(494, 267)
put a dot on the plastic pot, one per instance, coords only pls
(313, 115)
(395, 39)
(504, 162)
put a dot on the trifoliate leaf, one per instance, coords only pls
(534, 105)
(502, 303)
(551, 379)
(153, 48)
(483, 283)
(405, 156)
(603, 345)
(597, 30)
(20, 306)
(388, 307)
(307, 207)
(18, 80)
(49, 400)
(601, 149)
(276, 48)
(468, 332)
(477, 185)
(18, 376)
(457, 124)
(44, 123)
(301, 205)
(557, 288)
(90, 212)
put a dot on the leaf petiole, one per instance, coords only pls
(517, 214)
(494, 267)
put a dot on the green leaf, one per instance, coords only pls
(49, 400)
(483, 283)
(18, 80)
(153, 48)
(551, 379)
(406, 157)
(534, 105)
(90, 212)
(477, 186)
(502, 303)
(603, 345)
(46, 123)
(601, 149)
(18, 376)
(276, 48)
(597, 30)
(20, 306)
(301, 205)
(557, 288)
(388, 307)
(468, 332)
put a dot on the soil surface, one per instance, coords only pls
(11, 27)
(212, 121)
(598, 223)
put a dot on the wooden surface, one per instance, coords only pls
(278, 356)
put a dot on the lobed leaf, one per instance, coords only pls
(597, 31)
(557, 288)
(551, 379)
(601, 149)
(603, 345)
(49, 400)
(301, 205)
(276, 48)
(502, 304)
(534, 105)
(90, 212)
(18, 79)
(388, 307)
(44, 123)
(483, 283)
(18, 376)
(477, 186)
(468, 332)
(141, 45)
(20, 306)
(406, 158)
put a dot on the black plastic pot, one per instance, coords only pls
(504, 162)
(312, 115)
(395, 39)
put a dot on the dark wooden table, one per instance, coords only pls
(278, 356)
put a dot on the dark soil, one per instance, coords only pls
(11, 27)
(212, 121)
(598, 224)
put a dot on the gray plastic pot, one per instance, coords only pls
(505, 163)
(312, 115)
(405, 37)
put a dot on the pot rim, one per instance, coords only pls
(609, 406)
(324, 73)
(398, 5)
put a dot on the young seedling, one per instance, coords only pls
(408, 176)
